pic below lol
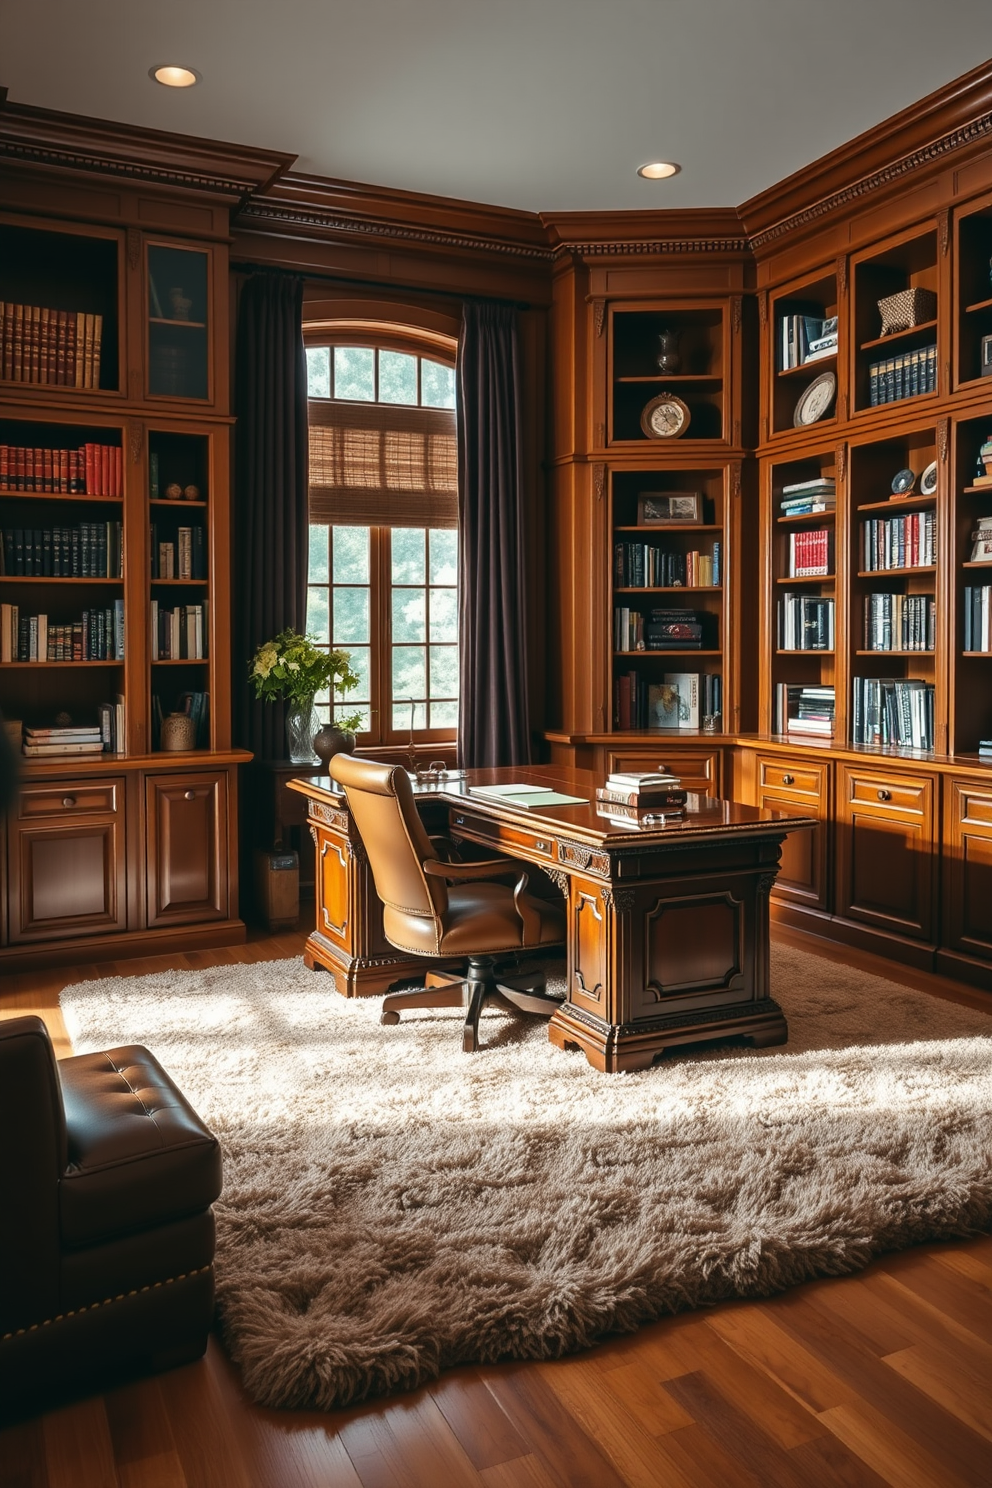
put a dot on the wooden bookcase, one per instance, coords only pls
(105, 855)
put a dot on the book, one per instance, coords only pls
(640, 779)
(636, 816)
(668, 796)
(62, 746)
(663, 705)
(687, 684)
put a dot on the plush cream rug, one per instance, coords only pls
(393, 1207)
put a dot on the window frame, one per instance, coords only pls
(433, 346)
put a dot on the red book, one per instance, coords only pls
(44, 345)
(63, 471)
(18, 344)
(118, 455)
(49, 474)
(4, 466)
(104, 469)
(90, 482)
(34, 315)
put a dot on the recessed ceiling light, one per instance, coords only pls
(174, 77)
(658, 170)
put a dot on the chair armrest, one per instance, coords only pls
(463, 872)
(447, 848)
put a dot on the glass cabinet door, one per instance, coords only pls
(178, 322)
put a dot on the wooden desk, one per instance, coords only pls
(667, 927)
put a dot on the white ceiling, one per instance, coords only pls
(539, 104)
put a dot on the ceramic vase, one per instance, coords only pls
(329, 741)
(668, 358)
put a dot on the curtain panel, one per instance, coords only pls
(270, 516)
(493, 722)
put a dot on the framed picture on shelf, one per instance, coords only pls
(661, 508)
(987, 356)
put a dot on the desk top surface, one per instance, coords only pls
(704, 815)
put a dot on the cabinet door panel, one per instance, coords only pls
(790, 786)
(967, 900)
(186, 867)
(67, 880)
(885, 853)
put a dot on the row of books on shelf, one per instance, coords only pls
(806, 338)
(802, 497)
(90, 550)
(89, 470)
(638, 565)
(806, 622)
(909, 541)
(196, 705)
(804, 710)
(98, 635)
(893, 710)
(659, 630)
(179, 634)
(978, 618)
(904, 376)
(680, 700)
(810, 554)
(900, 622)
(60, 347)
(183, 558)
(105, 736)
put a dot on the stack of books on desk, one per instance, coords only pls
(641, 797)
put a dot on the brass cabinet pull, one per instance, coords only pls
(884, 795)
(459, 821)
(541, 845)
(68, 800)
(191, 795)
(788, 779)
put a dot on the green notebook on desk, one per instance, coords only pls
(527, 795)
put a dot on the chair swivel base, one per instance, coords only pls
(479, 988)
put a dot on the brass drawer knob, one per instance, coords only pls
(68, 800)
(884, 795)
(788, 779)
(191, 795)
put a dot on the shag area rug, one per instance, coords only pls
(392, 1207)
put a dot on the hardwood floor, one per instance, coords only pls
(880, 1378)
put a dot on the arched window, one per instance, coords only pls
(383, 564)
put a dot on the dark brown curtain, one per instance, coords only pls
(493, 724)
(270, 506)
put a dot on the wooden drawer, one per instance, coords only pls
(508, 839)
(890, 796)
(700, 767)
(886, 830)
(800, 779)
(70, 798)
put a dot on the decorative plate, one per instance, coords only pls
(665, 417)
(928, 480)
(816, 400)
(903, 482)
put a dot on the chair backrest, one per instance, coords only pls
(381, 801)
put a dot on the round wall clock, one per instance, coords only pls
(928, 480)
(815, 401)
(903, 482)
(665, 417)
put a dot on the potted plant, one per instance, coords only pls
(294, 668)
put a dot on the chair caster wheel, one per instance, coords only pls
(389, 1018)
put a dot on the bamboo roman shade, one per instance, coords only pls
(381, 465)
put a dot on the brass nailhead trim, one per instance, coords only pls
(61, 1317)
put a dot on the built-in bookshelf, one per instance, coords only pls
(896, 364)
(679, 352)
(808, 345)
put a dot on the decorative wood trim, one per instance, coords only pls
(135, 439)
(735, 479)
(577, 855)
(842, 406)
(841, 268)
(621, 900)
(559, 878)
(133, 248)
(840, 458)
(599, 480)
(599, 315)
(737, 313)
(944, 227)
(943, 441)
(763, 308)
(666, 247)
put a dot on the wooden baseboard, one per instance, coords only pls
(121, 946)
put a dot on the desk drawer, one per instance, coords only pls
(70, 799)
(889, 795)
(509, 839)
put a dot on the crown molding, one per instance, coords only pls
(703, 231)
(69, 143)
(951, 120)
(323, 209)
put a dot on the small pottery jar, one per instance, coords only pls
(328, 741)
(191, 493)
(178, 732)
(668, 358)
(174, 491)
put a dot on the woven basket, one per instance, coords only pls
(910, 307)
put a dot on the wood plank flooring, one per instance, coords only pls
(880, 1378)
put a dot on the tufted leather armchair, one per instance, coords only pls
(107, 1176)
(435, 907)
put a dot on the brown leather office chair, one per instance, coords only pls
(107, 1176)
(475, 916)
